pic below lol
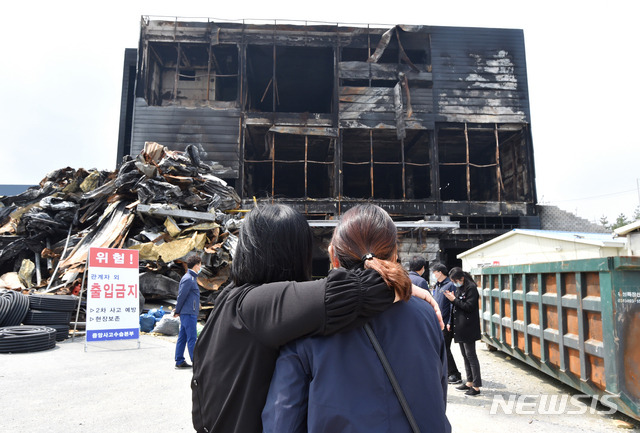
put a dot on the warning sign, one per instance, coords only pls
(112, 295)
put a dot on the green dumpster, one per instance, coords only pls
(578, 321)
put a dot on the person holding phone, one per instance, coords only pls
(465, 319)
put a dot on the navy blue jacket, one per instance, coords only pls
(418, 280)
(337, 383)
(188, 294)
(445, 305)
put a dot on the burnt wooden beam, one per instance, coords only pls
(434, 170)
(466, 140)
(155, 55)
(175, 80)
(209, 52)
(371, 161)
(382, 45)
(306, 162)
(271, 138)
(404, 187)
(185, 59)
(403, 54)
(407, 94)
(274, 90)
(353, 70)
(498, 172)
(305, 130)
(401, 132)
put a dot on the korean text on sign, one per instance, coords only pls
(112, 294)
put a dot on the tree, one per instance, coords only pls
(636, 214)
(620, 221)
(604, 222)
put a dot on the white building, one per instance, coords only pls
(632, 233)
(521, 246)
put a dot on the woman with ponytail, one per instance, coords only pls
(271, 302)
(465, 321)
(337, 383)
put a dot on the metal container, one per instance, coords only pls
(577, 321)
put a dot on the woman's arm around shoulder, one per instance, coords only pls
(280, 312)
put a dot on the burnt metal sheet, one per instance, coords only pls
(305, 130)
(174, 212)
(386, 71)
(216, 133)
(113, 223)
(472, 66)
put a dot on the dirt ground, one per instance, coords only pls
(116, 386)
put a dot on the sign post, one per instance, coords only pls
(112, 295)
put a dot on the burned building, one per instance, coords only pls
(431, 123)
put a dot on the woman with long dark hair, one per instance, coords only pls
(465, 320)
(337, 383)
(269, 303)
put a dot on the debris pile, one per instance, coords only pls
(166, 204)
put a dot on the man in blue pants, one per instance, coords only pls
(187, 308)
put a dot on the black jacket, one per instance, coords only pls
(465, 315)
(236, 352)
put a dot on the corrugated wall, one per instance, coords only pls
(479, 75)
(215, 132)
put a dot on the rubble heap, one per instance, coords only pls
(167, 204)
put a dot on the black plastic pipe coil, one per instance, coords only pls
(26, 338)
(53, 302)
(13, 308)
(40, 317)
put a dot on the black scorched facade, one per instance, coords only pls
(431, 123)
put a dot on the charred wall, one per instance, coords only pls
(422, 120)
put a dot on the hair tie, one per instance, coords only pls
(367, 256)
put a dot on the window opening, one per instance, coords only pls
(191, 74)
(470, 167)
(376, 164)
(301, 77)
(287, 165)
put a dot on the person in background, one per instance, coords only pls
(443, 284)
(337, 383)
(187, 308)
(417, 267)
(465, 318)
(269, 303)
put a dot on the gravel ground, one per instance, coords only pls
(116, 387)
(503, 375)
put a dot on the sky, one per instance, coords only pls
(61, 82)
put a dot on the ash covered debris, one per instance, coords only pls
(167, 204)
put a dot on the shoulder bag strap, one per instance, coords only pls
(392, 378)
